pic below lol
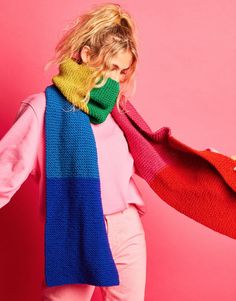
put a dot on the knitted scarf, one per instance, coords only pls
(199, 184)
(76, 244)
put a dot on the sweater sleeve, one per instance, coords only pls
(18, 152)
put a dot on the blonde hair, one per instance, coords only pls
(107, 29)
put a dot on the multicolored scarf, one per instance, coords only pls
(77, 248)
(199, 184)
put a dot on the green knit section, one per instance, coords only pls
(102, 100)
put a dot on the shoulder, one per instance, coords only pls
(37, 102)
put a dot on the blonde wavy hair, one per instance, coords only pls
(107, 29)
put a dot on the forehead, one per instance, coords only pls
(123, 59)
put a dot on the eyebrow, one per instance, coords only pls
(118, 67)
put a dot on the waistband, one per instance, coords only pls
(131, 207)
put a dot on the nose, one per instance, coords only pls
(115, 75)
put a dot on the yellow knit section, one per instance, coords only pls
(73, 81)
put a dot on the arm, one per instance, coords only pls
(18, 152)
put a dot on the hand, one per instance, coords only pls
(234, 158)
(213, 150)
(216, 151)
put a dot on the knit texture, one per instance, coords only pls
(73, 81)
(76, 244)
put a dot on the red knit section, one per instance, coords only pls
(199, 195)
(199, 184)
(222, 163)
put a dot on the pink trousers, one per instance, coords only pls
(127, 241)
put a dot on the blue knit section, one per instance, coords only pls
(76, 244)
(71, 138)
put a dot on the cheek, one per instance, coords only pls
(123, 77)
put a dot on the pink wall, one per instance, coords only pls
(187, 73)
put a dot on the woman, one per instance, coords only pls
(97, 60)
(102, 44)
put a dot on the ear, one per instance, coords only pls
(85, 54)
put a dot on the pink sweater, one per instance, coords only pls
(22, 152)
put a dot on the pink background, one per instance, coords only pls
(185, 80)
